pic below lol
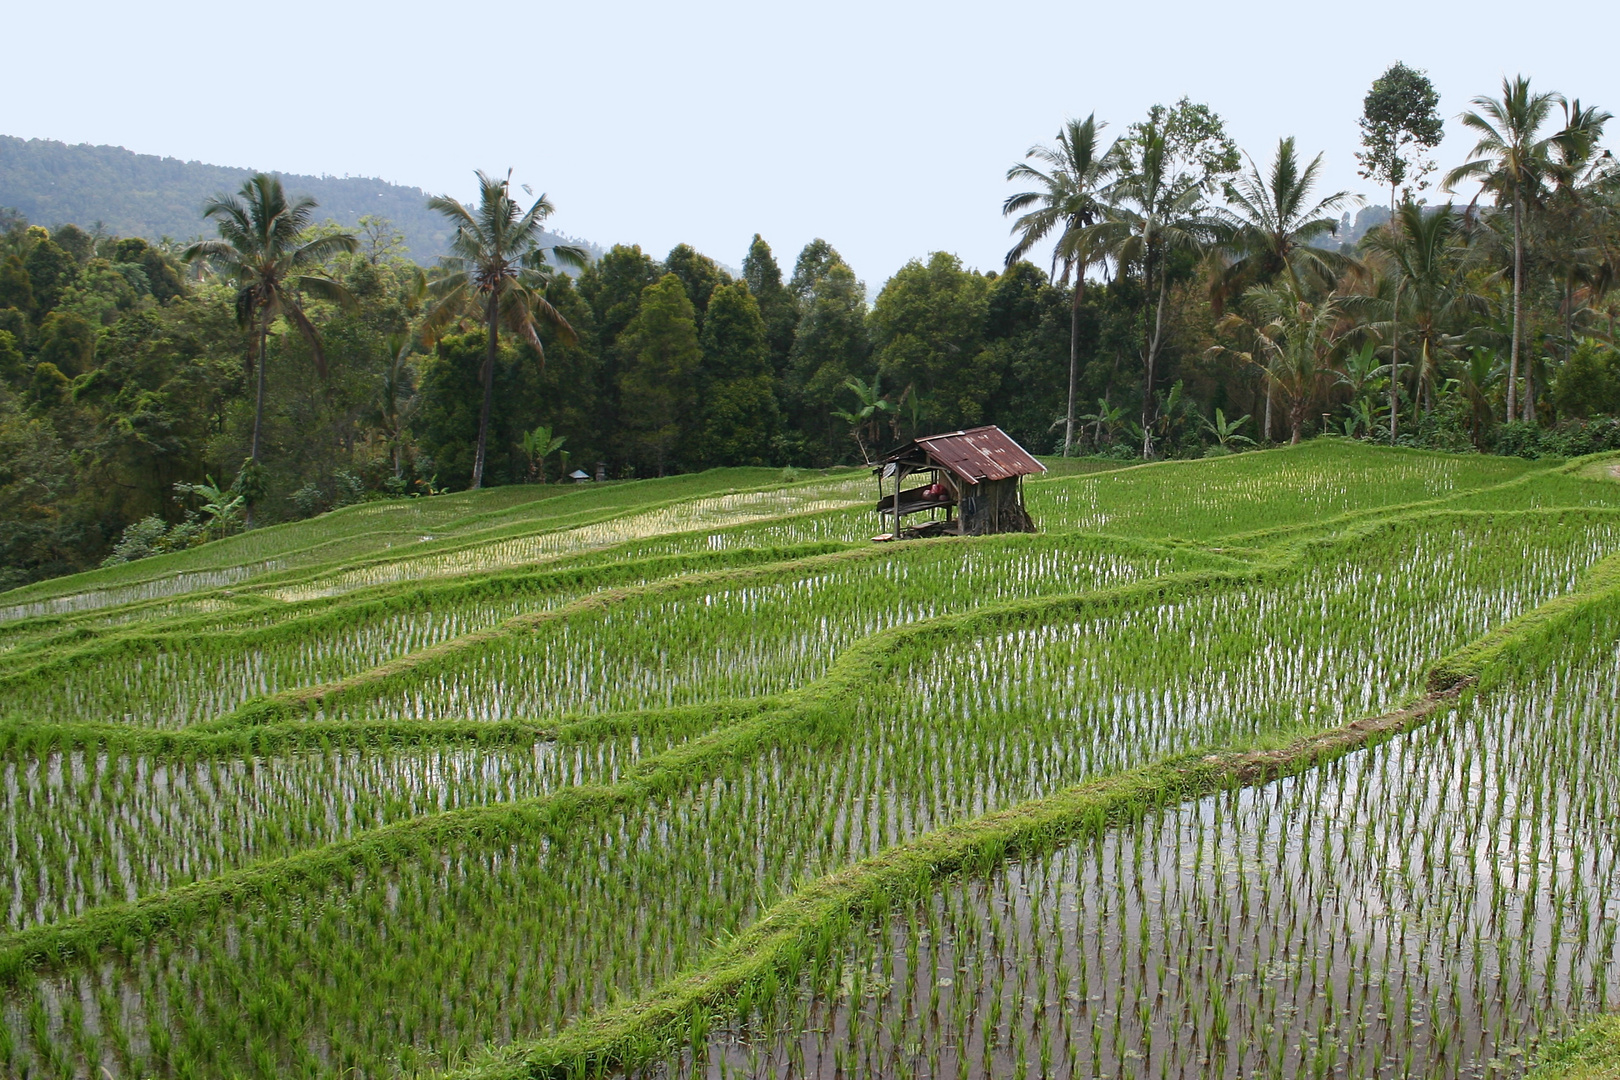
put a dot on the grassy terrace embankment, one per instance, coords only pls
(590, 773)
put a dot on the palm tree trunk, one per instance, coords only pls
(1395, 366)
(1518, 283)
(1394, 338)
(258, 400)
(1074, 360)
(1152, 357)
(1569, 317)
(490, 346)
(258, 415)
(1422, 355)
(1266, 379)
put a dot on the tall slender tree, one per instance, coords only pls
(1400, 119)
(776, 305)
(1067, 200)
(497, 267)
(1166, 167)
(658, 391)
(1511, 161)
(261, 249)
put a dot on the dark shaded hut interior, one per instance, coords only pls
(975, 484)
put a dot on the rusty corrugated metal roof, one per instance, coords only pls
(976, 455)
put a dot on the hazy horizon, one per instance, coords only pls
(885, 129)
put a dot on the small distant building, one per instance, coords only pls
(579, 476)
(975, 484)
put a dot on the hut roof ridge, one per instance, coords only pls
(974, 454)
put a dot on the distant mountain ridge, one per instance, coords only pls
(52, 183)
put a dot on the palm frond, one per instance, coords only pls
(317, 349)
(324, 288)
(318, 251)
(452, 302)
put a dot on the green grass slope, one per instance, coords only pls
(1593, 1053)
(537, 780)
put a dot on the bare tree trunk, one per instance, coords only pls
(489, 395)
(1266, 381)
(1518, 285)
(1074, 359)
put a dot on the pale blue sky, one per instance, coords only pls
(886, 128)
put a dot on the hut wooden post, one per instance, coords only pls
(899, 478)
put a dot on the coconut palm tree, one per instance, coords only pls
(1579, 235)
(1478, 375)
(1424, 252)
(1297, 341)
(497, 268)
(1154, 212)
(1270, 224)
(1067, 200)
(1510, 161)
(261, 249)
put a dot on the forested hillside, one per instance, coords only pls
(153, 197)
(1186, 304)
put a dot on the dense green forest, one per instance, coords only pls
(1197, 301)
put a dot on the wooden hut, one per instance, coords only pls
(974, 484)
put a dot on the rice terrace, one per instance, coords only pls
(1301, 762)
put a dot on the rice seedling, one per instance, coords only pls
(502, 940)
(1435, 906)
(760, 636)
(529, 548)
(190, 670)
(1224, 496)
(382, 812)
(87, 828)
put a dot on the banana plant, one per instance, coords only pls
(866, 419)
(1106, 421)
(1361, 419)
(538, 445)
(1227, 432)
(221, 507)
